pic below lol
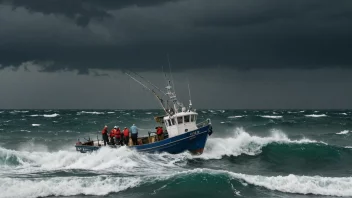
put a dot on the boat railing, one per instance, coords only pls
(204, 123)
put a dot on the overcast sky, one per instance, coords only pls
(235, 53)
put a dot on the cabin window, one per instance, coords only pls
(169, 122)
(187, 119)
(173, 121)
(193, 118)
(179, 120)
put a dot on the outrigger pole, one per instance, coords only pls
(149, 83)
(151, 90)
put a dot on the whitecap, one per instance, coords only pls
(110, 112)
(234, 117)
(35, 124)
(51, 115)
(343, 113)
(271, 117)
(35, 115)
(28, 131)
(148, 113)
(90, 112)
(316, 115)
(342, 132)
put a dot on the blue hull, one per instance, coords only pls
(193, 141)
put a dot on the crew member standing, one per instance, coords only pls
(112, 135)
(134, 134)
(118, 136)
(159, 132)
(104, 133)
(126, 135)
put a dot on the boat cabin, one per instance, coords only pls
(180, 123)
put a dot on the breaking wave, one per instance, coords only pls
(105, 184)
(90, 112)
(271, 117)
(343, 132)
(316, 115)
(243, 143)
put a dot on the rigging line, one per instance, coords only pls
(150, 83)
(155, 94)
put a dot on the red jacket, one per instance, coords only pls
(118, 133)
(104, 131)
(126, 132)
(159, 131)
(112, 132)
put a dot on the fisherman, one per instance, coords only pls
(159, 132)
(118, 136)
(134, 134)
(126, 135)
(104, 133)
(112, 135)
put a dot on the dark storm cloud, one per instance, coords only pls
(241, 34)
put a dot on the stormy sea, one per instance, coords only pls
(252, 153)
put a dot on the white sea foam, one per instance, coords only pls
(90, 112)
(343, 113)
(234, 117)
(65, 186)
(271, 117)
(331, 186)
(35, 124)
(111, 112)
(243, 143)
(121, 160)
(148, 113)
(34, 115)
(316, 115)
(342, 132)
(51, 115)
(348, 147)
(28, 131)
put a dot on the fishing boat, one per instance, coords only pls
(182, 133)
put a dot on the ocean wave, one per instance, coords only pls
(271, 117)
(122, 160)
(234, 117)
(316, 115)
(66, 186)
(331, 186)
(51, 115)
(342, 132)
(90, 112)
(296, 184)
(35, 125)
(105, 184)
(244, 143)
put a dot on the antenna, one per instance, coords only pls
(190, 98)
(172, 78)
